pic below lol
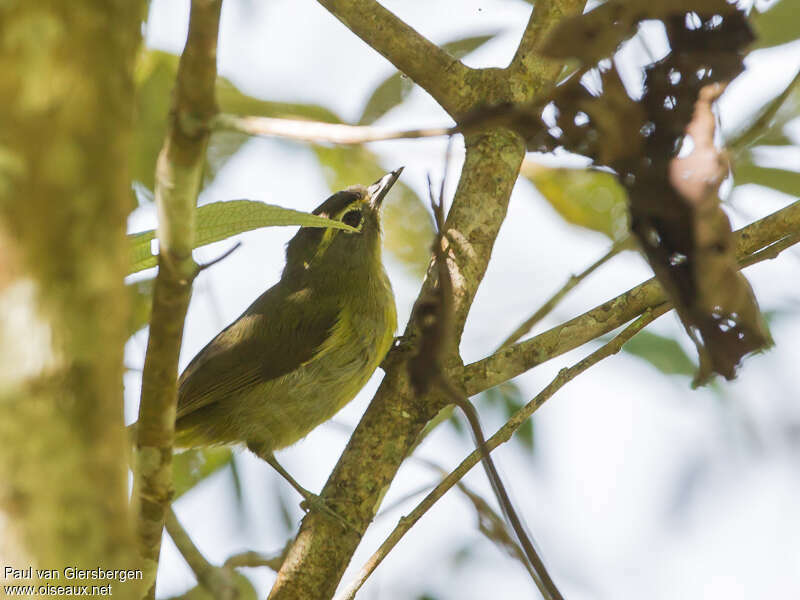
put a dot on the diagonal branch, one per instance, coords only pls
(396, 416)
(750, 250)
(529, 69)
(178, 179)
(436, 71)
(511, 361)
(500, 437)
(573, 281)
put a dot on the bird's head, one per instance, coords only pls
(339, 250)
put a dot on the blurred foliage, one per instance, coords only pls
(407, 225)
(220, 220)
(777, 25)
(393, 90)
(664, 353)
(155, 78)
(506, 398)
(509, 399)
(140, 300)
(193, 466)
(244, 590)
(782, 180)
(588, 198)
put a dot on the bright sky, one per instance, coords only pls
(639, 487)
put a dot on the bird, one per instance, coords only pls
(305, 347)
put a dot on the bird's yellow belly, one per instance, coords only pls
(289, 407)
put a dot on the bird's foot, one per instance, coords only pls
(314, 503)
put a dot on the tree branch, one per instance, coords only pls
(500, 437)
(528, 71)
(511, 361)
(395, 417)
(438, 73)
(178, 178)
(750, 240)
(67, 121)
(546, 308)
(217, 580)
(319, 132)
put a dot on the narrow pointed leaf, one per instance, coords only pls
(193, 466)
(220, 220)
(585, 197)
(396, 88)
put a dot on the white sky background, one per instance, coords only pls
(638, 488)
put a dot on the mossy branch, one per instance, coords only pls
(436, 71)
(178, 179)
(510, 361)
(396, 416)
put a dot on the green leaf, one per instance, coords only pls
(778, 25)
(787, 182)
(244, 590)
(407, 225)
(396, 88)
(155, 78)
(461, 47)
(585, 197)
(664, 353)
(193, 466)
(509, 398)
(220, 220)
(140, 294)
(389, 93)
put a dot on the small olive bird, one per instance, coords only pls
(305, 347)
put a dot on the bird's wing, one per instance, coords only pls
(278, 333)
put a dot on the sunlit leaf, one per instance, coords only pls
(664, 353)
(155, 78)
(407, 225)
(395, 88)
(509, 398)
(140, 294)
(389, 93)
(778, 25)
(193, 466)
(461, 47)
(586, 197)
(784, 181)
(219, 220)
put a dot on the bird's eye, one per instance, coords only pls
(352, 218)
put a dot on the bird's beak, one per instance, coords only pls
(378, 190)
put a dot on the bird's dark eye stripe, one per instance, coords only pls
(352, 218)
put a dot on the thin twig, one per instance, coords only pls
(502, 436)
(573, 281)
(532, 561)
(218, 581)
(761, 125)
(221, 257)
(319, 132)
(511, 361)
(256, 559)
(433, 319)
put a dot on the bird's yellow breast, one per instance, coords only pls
(289, 407)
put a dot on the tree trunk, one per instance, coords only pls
(66, 79)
